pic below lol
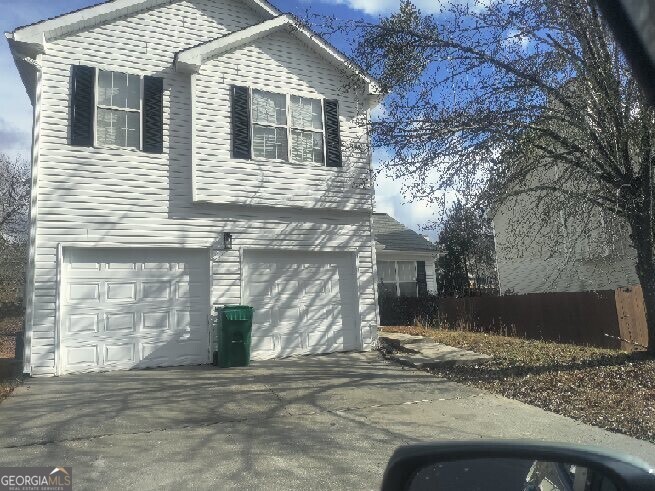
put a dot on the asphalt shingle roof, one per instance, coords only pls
(396, 237)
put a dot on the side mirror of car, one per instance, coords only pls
(513, 466)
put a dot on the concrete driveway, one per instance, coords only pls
(325, 422)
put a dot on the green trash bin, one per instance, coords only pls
(233, 335)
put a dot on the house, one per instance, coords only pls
(405, 259)
(549, 236)
(189, 154)
(565, 253)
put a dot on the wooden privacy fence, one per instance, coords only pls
(598, 318)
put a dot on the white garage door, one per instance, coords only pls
(304, 302)
(127, 308)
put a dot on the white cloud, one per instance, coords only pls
(16, 116)
(389, 199)
(371, 7)
(375, 7)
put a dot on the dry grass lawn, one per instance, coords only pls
(606, 388)
(10, 373)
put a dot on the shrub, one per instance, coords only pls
(408, 311)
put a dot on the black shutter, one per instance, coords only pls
(82, 105)
(240, 123)
(332, 134)
(421, 279)
(153, 114)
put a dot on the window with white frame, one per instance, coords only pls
(118, 109)
(269, 125)
(397, 278)
(272, 128)
(306, 130)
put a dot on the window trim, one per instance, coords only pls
(288, 127)
(114, 108)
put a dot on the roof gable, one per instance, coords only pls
(190, 60)
(394, 236)
(35, 35)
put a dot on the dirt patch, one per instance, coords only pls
(9, 328)
(10, 370)
(606, 388)
(7, 346)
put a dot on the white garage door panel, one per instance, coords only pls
(133, 308)
(304, 302)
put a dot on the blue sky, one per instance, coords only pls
(16, 119)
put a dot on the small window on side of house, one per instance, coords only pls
(397, 278)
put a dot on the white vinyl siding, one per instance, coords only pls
(115, 197)
(545, 265)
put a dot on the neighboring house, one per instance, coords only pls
(405, 259)
(189, 154)
(545, 240)
(570, 254)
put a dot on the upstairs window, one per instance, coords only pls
(267, 125)
(271, 130)
(306, 130)
(118, 110)
(115, 109)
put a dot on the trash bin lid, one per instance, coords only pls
(236, 312)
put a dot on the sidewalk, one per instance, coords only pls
(420, 352)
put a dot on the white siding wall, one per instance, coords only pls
(534, 267)
(277, 63)
(125, 198)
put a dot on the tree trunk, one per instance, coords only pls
(641, 239)
(467, 285)
(646, 274)
(649, 302)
